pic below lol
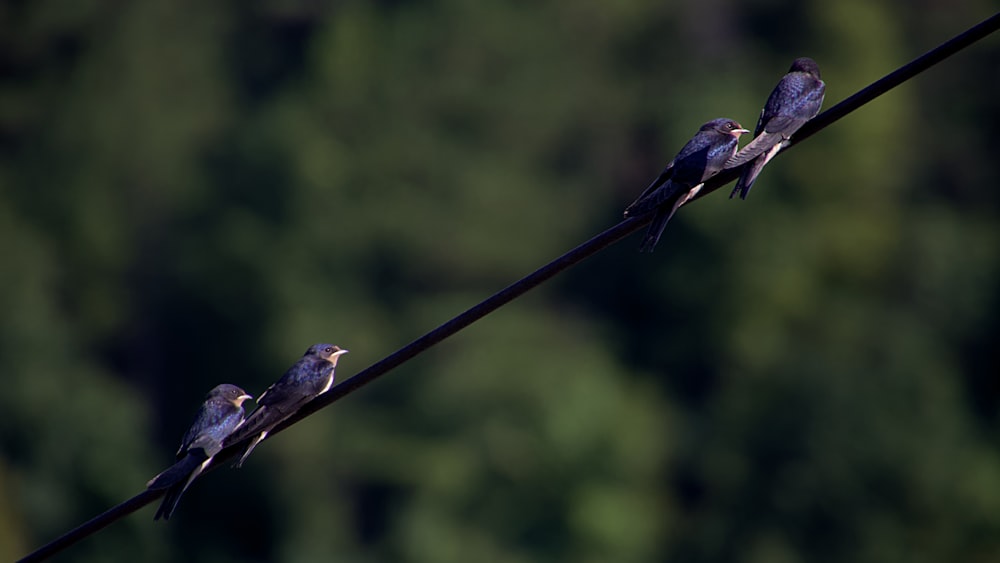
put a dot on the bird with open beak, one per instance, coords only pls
(310, 377)
(701, 158)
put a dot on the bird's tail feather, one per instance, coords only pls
(747, 177)
(169, 502)
(174, 493)
(250, 447)
(655, 229)
(177, 472)
(750, 172)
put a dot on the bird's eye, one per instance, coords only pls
(729, 125)
(328, 349)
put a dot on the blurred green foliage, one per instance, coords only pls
(193, 193)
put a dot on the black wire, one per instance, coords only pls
(529, 282)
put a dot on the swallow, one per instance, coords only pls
(221, 413)
(309, 378)
(796, 99)
(701, 158)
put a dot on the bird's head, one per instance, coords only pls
(231, 393)
(328, 352)
(806, 65)
(725, 126)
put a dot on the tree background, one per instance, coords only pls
(192, 193)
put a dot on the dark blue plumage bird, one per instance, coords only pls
(310, 377)
(701, 158)
(796, 99)
(221, 413)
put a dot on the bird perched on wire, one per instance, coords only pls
(310, 377)
(701, 158)
(221, 413)
(796, 99)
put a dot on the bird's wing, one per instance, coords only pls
(784, 125)
(281, 402)
(796, 100)
(761, 144)
(809, 101)
(177, 472)
(206, 443)
(663, 216)
(761, 119)
(263, 418)
(284, 398)
(654, 200)
(643, 203)
(213, 424)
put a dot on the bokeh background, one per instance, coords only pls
(193, 192)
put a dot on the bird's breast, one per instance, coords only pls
(327, 384)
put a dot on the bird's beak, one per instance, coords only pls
(238, 401)
(737, 132)
(333, 357)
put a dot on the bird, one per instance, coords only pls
(796, 99)
(701, 158)
(219, 415)
(310, 377)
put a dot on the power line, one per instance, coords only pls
(532, 280)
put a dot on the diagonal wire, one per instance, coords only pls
(532, 280)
